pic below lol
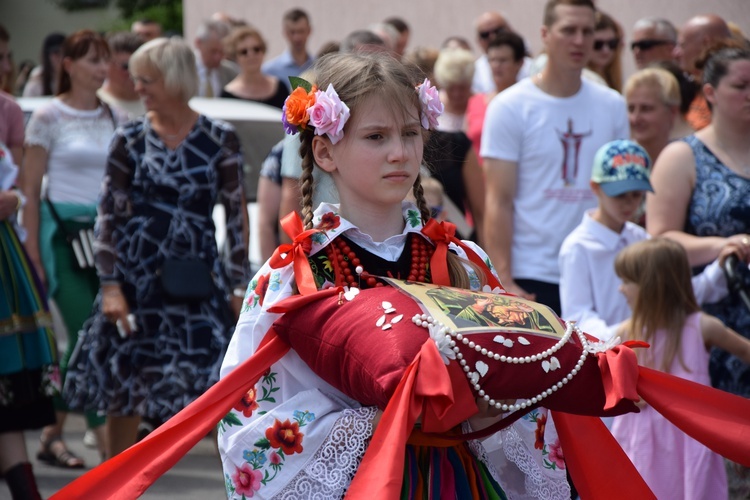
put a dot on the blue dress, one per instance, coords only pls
(720, 206)
(157, 204)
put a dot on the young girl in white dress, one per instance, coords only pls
(293, 435)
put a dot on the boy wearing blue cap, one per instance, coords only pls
(589, 287)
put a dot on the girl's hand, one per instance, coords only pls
(115, 307)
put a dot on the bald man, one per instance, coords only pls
(488, 25)
(695, 35)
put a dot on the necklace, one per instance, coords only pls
(343, 258)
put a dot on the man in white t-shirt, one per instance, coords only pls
(538, 144)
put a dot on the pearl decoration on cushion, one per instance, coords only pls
(425, 321)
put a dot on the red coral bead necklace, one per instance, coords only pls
(348, 270)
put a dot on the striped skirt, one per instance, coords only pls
(28, 354)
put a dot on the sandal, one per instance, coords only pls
(64, 458)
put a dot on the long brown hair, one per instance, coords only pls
(355, 77)
(77, 46)
(665, 298)
(612, 73)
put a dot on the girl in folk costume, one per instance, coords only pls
(295, 436)
(656, 283)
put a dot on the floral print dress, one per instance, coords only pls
(295, 436)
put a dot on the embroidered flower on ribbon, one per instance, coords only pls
(541, 425)
(248, 404)
(285, 435)
(329, 221)
(556, 455)
(246, 480)
(442, 342)
(261, 287)
(329, 114)
(429, 100)
(294, 114)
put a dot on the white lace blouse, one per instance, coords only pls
(77, 142)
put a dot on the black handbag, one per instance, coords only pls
(186, 280)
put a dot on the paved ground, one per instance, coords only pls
(196, 477)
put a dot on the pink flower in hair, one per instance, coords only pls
(432, 108)
(329, 114)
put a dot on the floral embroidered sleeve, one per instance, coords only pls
(277, 440)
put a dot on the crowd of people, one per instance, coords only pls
(618, 201)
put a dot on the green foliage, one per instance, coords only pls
(166, 12)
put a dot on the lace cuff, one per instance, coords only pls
(333, 466)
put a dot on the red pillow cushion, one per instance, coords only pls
(362, 346)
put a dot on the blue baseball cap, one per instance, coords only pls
(620, 167)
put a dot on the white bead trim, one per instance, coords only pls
(426, 321)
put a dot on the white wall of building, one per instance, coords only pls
(433, 20)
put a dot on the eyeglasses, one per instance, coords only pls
(256, 50)
(612, 44)
(648, 44)
(486, 35)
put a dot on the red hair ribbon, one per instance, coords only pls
(443, 233)
(296, 253)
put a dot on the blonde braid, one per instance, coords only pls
(306, 179)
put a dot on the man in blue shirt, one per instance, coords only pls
(294, 60)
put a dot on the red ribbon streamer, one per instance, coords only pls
(425, 383)
(129, 474)
(597, 464)
(443, 233)
(296, 253)
(716, 418)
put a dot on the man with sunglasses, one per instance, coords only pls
(489, 25)
(653, 41)
(119, 90)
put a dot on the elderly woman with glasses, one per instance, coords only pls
(162, 319)
(248, 48)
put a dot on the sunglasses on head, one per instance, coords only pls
(612, 44)
(244, 52)
(648, 44)
(485, 35)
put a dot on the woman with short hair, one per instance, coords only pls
(653, 99)
(162, 319)
(249, 48)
